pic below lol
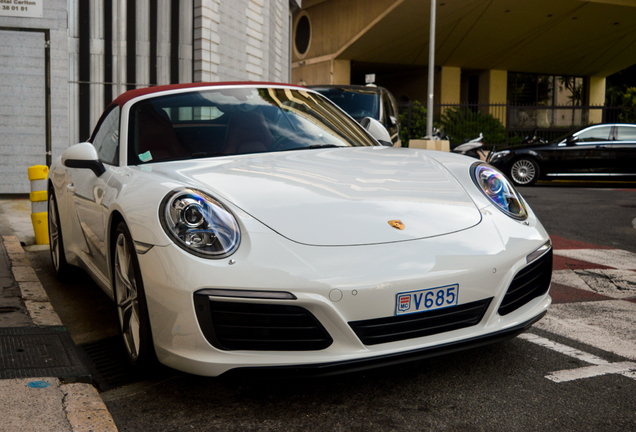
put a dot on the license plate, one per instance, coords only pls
(426, 299)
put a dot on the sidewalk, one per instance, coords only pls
(44, 381)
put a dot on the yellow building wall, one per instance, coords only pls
(341, 72)
(312, 74)
(324, 72)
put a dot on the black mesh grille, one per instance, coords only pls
(531, 282)
(390, 329)
(263, 327)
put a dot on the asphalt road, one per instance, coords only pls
(601, 213)
(500, 387)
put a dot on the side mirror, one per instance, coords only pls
(83, 155)
(571, 140)
(377, 131)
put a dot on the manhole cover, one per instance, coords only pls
(27, 352)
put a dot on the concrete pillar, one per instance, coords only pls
(450, 85)
(597, 98)
(493, 89)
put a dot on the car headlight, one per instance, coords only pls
(499, 190)
(199, 224)
(494, 156)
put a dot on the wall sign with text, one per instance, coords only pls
(21, 8)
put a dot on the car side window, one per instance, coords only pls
(106, 138)
(626, 133)
(389, 114)
(601, 133)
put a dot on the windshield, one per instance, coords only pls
(358, 103)
(232, 121)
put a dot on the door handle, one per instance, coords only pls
(70, 188)
(601, 146)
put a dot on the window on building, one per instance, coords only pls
(302, 37)
(547, 90)
(546, 102)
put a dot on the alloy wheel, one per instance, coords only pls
(523, 171)
(54, 234)
(127, 296)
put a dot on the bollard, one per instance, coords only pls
(39, 198)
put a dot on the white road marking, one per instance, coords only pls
(601, 367)
(563, 349)
(608, 325)
(592, 371)
(615, 258)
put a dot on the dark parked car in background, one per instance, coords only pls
(602, 150)
(365, 101)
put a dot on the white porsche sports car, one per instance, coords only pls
(254, 225)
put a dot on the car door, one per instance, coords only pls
(88, 192)
(624, 150)
(588, 153)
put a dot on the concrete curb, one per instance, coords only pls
(72, 407)
(33, 294)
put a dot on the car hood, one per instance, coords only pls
(338, 196)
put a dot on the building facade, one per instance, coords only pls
(502, 52)
(64, 61)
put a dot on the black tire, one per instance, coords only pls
(56, 242)
(130, 299)
(524, 172)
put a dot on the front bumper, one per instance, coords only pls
(339, 286)
(357, 365)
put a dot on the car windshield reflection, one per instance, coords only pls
(358, 103)
(236, 121)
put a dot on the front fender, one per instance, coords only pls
(137, 202)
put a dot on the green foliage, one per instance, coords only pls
(461, 123)
(629, 101)
(418, 123)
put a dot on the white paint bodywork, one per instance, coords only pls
(311, 222)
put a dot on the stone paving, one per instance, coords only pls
(44, 403)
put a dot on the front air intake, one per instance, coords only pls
(531, 282)
(231, 325)
(396, 328)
